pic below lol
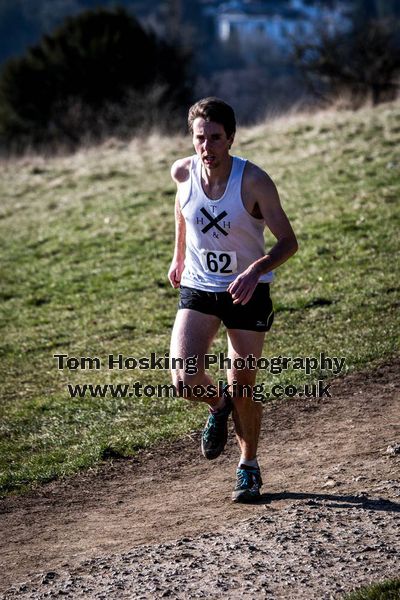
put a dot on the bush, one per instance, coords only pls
(100, 73)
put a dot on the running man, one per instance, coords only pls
(223, 203)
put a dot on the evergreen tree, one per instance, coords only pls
(99, 73)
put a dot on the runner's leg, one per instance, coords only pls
(247, 414)
(192, 335)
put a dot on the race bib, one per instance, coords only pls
(217, 261)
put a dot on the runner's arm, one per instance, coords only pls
(178, 260)
(266, 196)
(179, 173)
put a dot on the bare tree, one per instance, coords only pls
(363, 62)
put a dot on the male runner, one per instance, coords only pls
(223, 203)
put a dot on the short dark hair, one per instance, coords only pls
(213, 109)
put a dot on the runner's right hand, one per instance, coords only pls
(175, 272)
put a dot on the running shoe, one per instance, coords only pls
(248, 484)
(215, 432)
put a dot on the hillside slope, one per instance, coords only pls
(85, 244)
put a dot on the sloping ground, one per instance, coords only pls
(163, 525)
(85, 245)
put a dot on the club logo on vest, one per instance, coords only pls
(216, 222)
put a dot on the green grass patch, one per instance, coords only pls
(387, 590)
(85, 245)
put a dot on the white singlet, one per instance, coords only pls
(222, 237)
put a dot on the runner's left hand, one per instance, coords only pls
(242, 288)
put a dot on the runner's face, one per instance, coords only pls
(210, 142)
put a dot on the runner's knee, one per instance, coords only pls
(184, 382)
(244, 380)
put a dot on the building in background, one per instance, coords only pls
(250, 26)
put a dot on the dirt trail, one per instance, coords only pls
(163, 524)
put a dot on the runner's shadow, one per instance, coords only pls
(333, 501)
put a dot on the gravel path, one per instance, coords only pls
(328, 521)
(311, 549)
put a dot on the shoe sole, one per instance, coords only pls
(245, 497)
(215, 454)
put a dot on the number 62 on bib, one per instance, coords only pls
(217, 261)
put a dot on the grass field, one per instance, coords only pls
(86, 243)
(386, 590)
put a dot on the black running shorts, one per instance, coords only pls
(256, 315)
